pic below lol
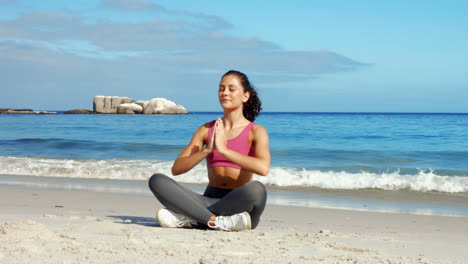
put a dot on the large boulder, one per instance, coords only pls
(164, 107)
(130, 108)
(109, 104)
(127, 111)
(143, 104)
(149, 108)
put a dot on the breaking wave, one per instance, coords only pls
(123, 169)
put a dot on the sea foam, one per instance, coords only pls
(122, 169)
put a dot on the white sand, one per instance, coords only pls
(47, 226)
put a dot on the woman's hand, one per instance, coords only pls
(210, 146)
(220, 140)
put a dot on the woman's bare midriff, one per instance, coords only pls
(227, 177)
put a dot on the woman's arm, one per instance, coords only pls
(260, 164)
(194, 152)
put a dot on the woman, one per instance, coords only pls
(235, 148)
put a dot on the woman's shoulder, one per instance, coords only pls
(259, 130)
(203, 129)
(257, 126)
(202, 132)
(258, 134)
(209, 124)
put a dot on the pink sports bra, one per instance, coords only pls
(239, 144)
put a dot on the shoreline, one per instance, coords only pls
(371, 200)
(50, 226)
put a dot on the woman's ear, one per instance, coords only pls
(246, 97)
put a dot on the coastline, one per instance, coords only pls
(68, 226)
(367, 200)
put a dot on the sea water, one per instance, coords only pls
(415, 152)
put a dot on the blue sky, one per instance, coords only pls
(332, 56)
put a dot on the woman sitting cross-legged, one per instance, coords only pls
(235, 148)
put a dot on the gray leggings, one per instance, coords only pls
(251, 198)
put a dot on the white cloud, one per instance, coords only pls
(7, 1)
(55, 50)
(131, 4)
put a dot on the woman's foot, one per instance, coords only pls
(168, 218)
(237, 222)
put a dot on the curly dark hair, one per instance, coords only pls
(253, 106)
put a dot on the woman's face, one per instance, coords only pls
(231, 94)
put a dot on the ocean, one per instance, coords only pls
(357, 161)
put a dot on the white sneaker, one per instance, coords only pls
(237, 222)
(167, 218)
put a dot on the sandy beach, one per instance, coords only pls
(57, 226)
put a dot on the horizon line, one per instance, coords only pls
(320, 112)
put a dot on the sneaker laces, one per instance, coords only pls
(183, 220)
(190, 222)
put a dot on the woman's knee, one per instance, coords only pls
(256, 190)
(157, 180)
(258, 187)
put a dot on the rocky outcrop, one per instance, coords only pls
(109, 104)
(79, 111)
(116, 105)
(17, 111)
(125, 105)
(23, 111)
